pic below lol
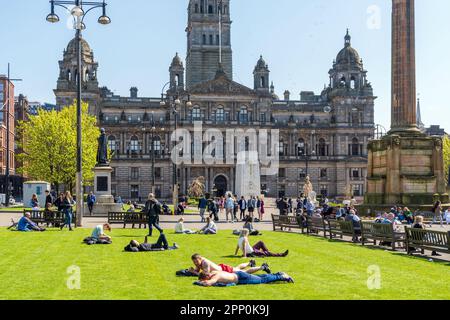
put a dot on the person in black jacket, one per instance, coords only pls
(153, 209)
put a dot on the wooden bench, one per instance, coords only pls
(54, 218)
(126, 218)
(316, 225)
(427, 240)
(290, 222)
(341, 228)
(383, 232)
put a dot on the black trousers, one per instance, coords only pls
(161, 243)
(90, 207)
(153, 222)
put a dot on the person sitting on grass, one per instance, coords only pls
(210, 227)
(99, 234)
(165, 208)
(180, 209)
(258, 250)
(179, 228)
(240, 278)
(160, 245)
(203, 265)
(25, 224)
(249, 225)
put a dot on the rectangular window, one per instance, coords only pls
(357, 190)
(262, 117)
(134, 191)
(134, 173)
(158, 174)
(282, 173)
(302, 174)
(323, 173)
(355, 173)
(324, 190)
(158, 192)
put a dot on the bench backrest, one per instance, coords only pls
(288, 220)
(424, 237)
(316, 222)
(116, 217)
(346, 226)
(377, 229)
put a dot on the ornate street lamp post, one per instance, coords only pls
(78, 13)
(174, 101)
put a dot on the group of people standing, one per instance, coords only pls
(230, 205)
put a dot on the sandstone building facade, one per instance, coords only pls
(321, 135)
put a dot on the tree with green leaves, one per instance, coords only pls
(49, 144)
(446, 156)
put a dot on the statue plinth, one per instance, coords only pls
(248, 176)
(102, 190)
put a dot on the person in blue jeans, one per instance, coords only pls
(25, 224)
(67, 205)
(241, 278)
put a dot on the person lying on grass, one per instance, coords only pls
(240, 278)
(25, 224)
(160, 245)
(258, 250)
(99, 234)
(203, 265)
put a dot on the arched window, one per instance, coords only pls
(196, 114)
(355, 147)
(86, 77)
(322, 148)
(204, 39)
(112, 143)
(69, 75)
(247, 144)
(220, 115)
(210, 9)
(202, 6)
(353, 83)
(243, 115)
(217, 40)
(263, 82)
(196, 8)
(225, 9)
(134, 144)
(211, 39)
(343, 81)
(301, 148)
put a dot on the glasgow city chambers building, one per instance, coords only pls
(324, 135)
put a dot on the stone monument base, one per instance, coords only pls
(405, 169)
(102, 190)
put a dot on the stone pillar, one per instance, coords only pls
(403, 116)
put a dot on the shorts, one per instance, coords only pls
(226, 268)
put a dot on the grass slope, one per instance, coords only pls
(34, 266)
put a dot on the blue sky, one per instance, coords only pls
(299, 40)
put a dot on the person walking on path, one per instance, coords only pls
(67, 206)
(202, 204)
(229, 207)
(262, 210)
(91, 200)
(437, 210)
(242, 207)
(153, 209)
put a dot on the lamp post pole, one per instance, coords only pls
(78, 15)
(153, 153)
(174, 102)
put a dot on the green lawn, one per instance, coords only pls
(34, 266)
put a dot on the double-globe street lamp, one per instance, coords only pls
(78, 13)
(174, 100)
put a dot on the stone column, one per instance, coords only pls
(403, 67)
